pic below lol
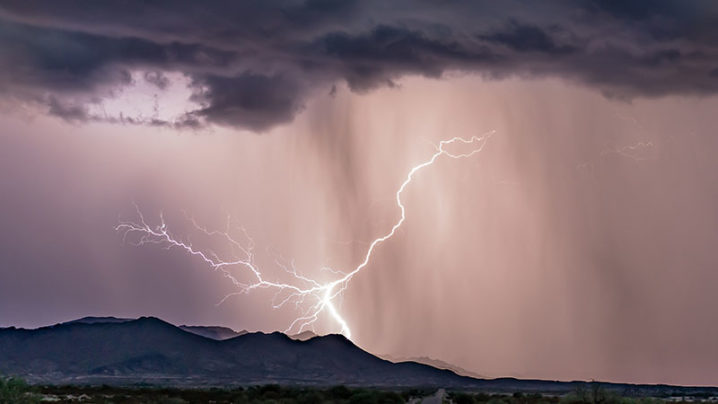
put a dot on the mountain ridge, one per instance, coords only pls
(437, 363)
(214, 332)
(149, 350)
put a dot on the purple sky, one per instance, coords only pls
(580, 243)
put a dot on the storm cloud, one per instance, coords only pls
(253, 65)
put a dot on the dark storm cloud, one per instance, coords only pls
(158, 79)
(528, 38)
(68, 112)
(663, 19)
(253, 64)
(369, 59)
(249, 100)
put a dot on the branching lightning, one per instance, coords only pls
(638, 152)
(310, 296)
(635, 152)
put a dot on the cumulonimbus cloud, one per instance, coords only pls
(253, 64)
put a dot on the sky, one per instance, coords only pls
(579, 243)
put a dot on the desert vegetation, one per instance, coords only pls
(269, 394)
(15, 390)
(593, 393)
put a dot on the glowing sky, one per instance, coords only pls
(580, 243)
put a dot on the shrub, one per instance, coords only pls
(340, 392)
(462, 398)
(16, 391)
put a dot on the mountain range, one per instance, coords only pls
(437, 363)
(147, 350)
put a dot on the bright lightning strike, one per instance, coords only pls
(315, 297)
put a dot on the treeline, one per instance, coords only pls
(16, 391)
(268, 394)
(593, 394)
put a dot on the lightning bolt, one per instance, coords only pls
(635, 152)
(314, 296)
(638, 152)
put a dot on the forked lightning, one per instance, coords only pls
(311, 297)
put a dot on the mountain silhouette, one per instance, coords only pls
(437, 363)
(95, 320)
(303, 336)
(151, 350)
(213, 332)
(147, 350)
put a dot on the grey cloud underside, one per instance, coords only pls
(253, 64)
